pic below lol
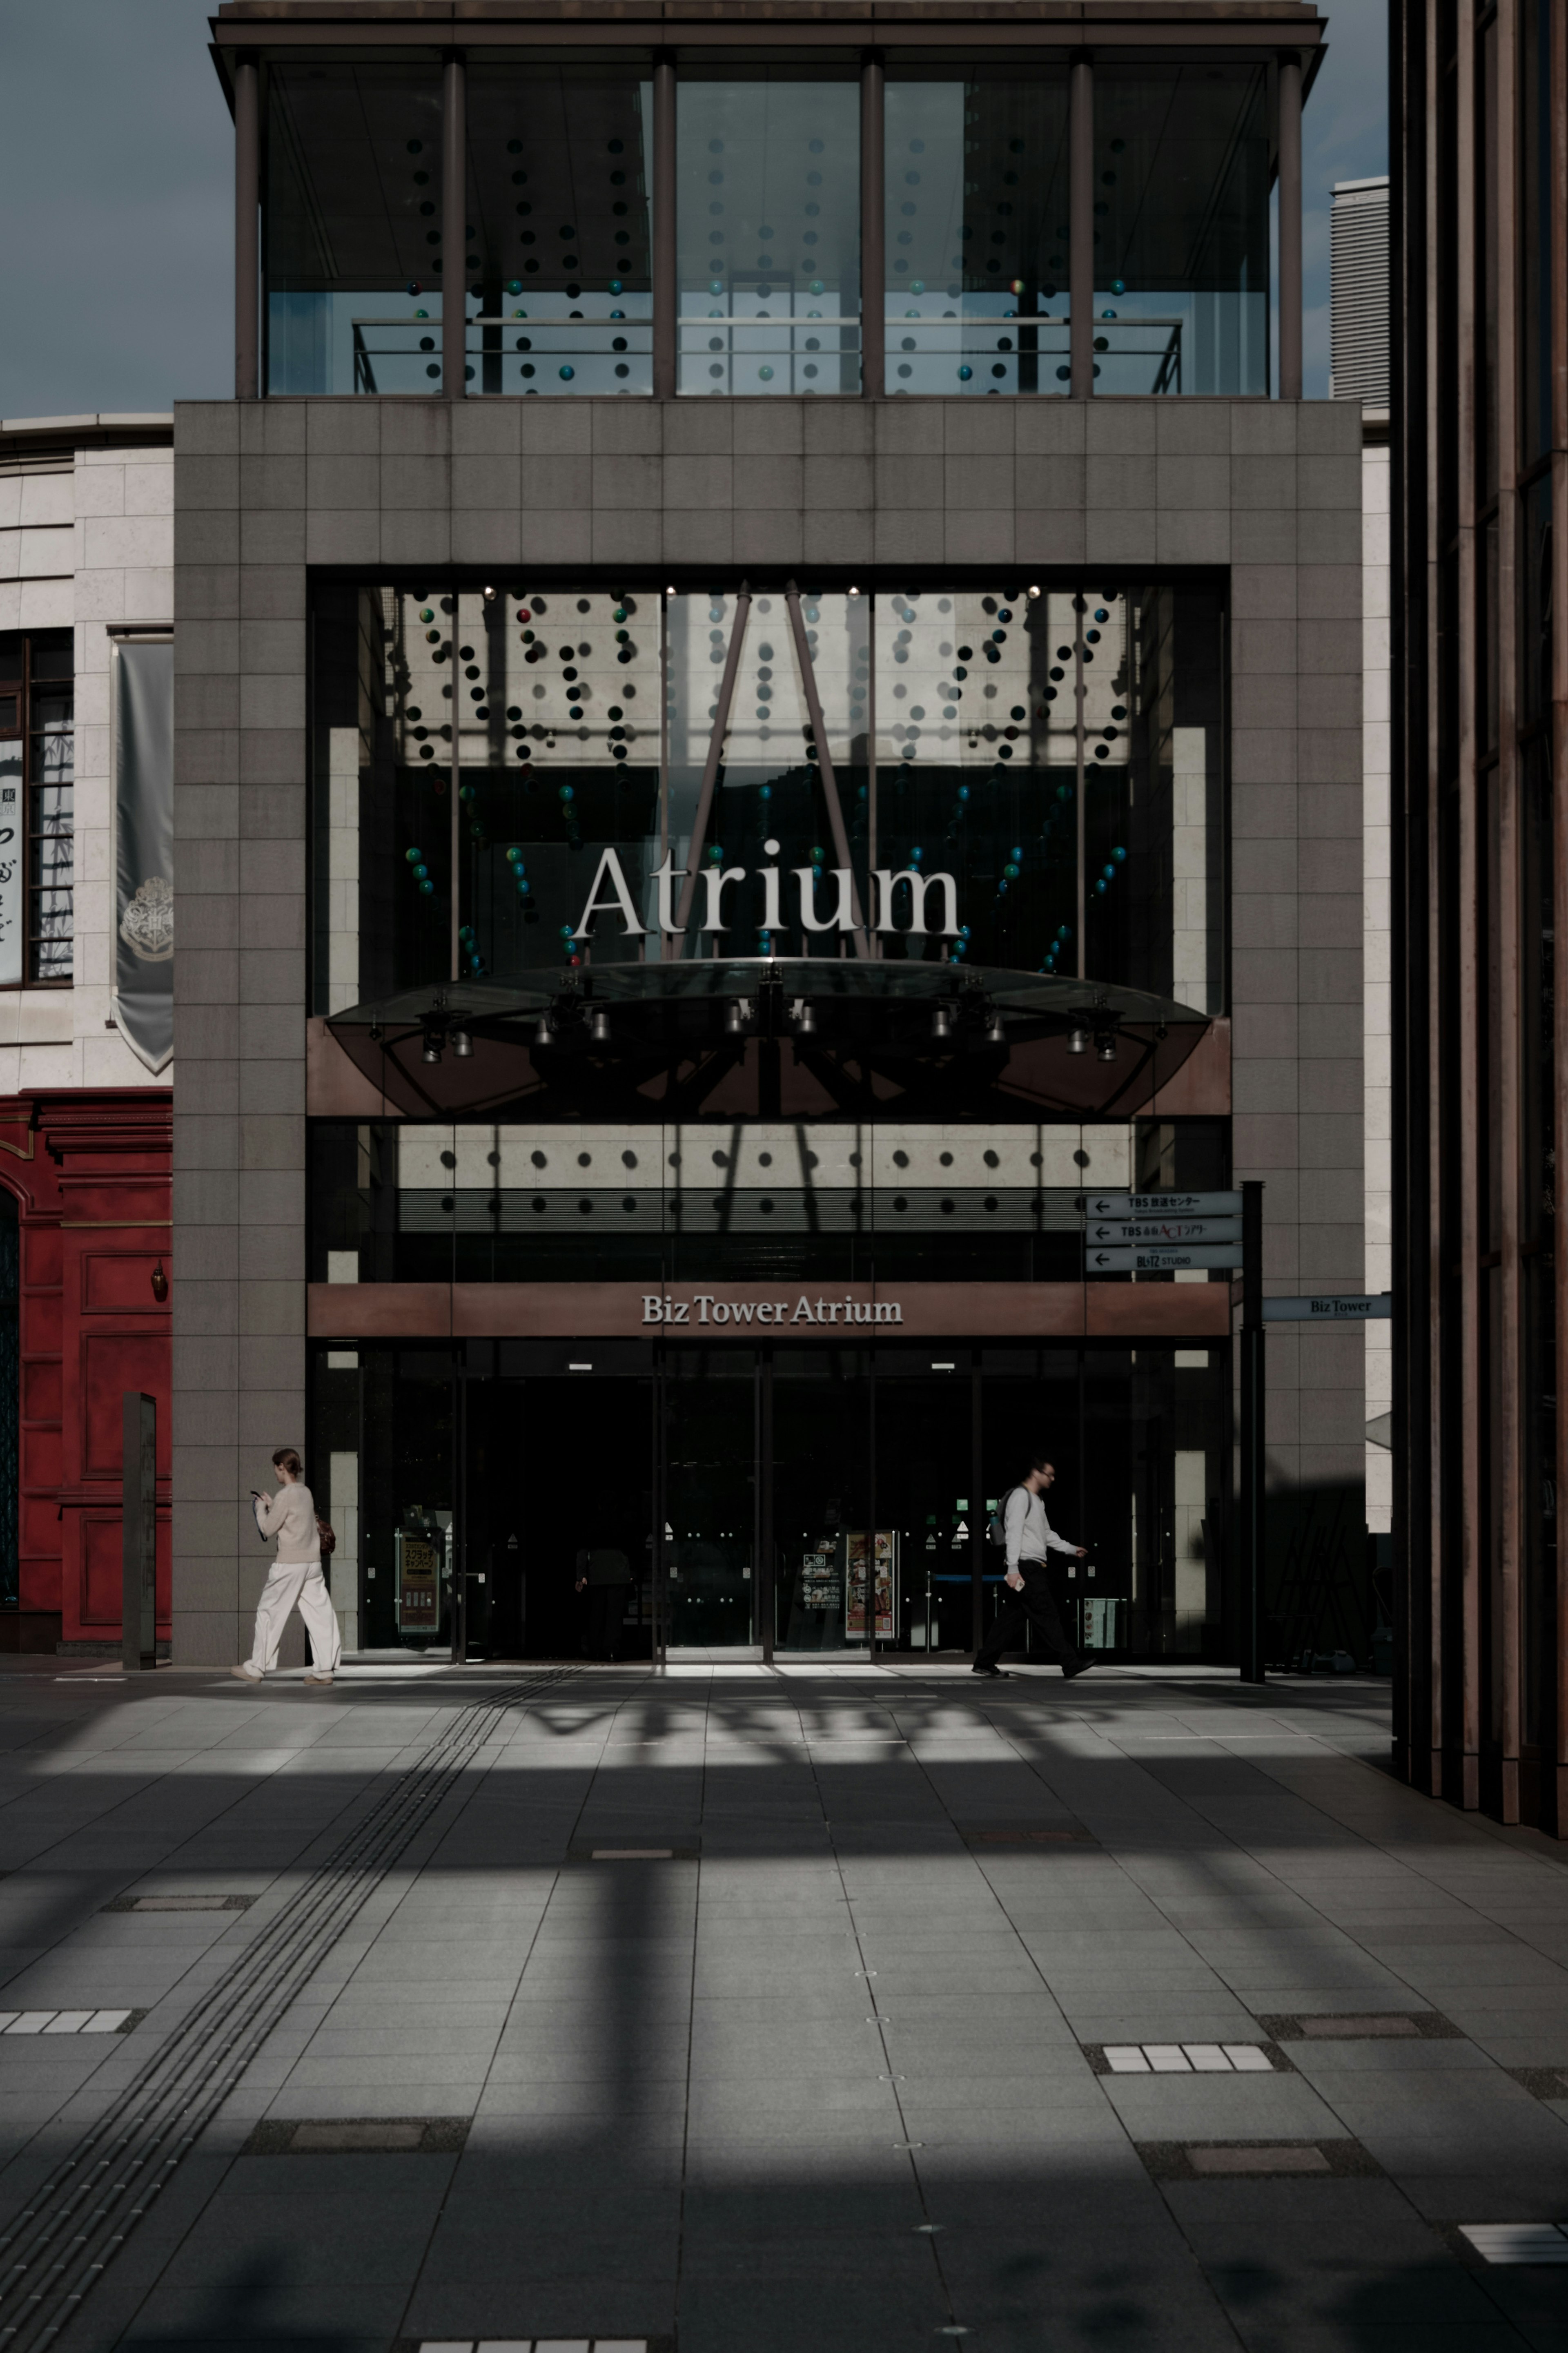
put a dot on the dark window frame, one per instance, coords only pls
(29, 734)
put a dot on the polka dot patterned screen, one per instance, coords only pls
(1055, 749)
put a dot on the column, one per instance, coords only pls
(873, 231)
(1290, 226)
(1080, 250)
(666, 290)
(247, 197)
(453, 222)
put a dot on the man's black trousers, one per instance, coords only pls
(607, 1607)
(1034, 1606)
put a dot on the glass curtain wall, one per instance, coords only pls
(768, 227)
(1030, 777)
(1182, 174)
(560, 284)
(802, 1494)
(353, 244)
(977, 229)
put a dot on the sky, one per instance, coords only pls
(115, 188)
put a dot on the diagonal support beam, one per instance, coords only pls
(715, 754)
(824, 761)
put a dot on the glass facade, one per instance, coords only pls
(977, 203)
(768, 228)
(353, 243)
(1181, 229)
(777, 1494)
(1031, 777)
(553, 261)
(37, 806)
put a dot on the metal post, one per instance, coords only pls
(666, 287)
(454, 230)
(455, 816)
(1250, 1518)
(715, 754)
(1290, 226)
(763, 1557)
(873, 232)
(246, 199)
(1081, 248)
(139, 1533)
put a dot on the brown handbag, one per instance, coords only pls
(324, 1531)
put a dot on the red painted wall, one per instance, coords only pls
(92, 1172)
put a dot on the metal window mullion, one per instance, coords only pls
(873, 229)
(1467, 1126)
(1434, 1240)
(1558, 166)
(454, 239)
(666, 284)
(1507, 1375)
(1290, 153)
(1080, 225)
(246, 210)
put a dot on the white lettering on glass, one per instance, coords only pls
(611, 895)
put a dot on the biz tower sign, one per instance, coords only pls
(610, 894)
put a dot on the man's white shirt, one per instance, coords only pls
(1030, 1534)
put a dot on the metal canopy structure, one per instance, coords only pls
(460, 1047)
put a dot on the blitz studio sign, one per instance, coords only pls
(610, 894)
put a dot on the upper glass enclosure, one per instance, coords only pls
(1181, 229)
(556, 263)
(1029, 776)
(977, 230)
(768, 229)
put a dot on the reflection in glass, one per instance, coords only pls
(1181, 229)
(352, 236)
(768, 214)
(559, 287)
(977, 232)
(710, 1499)
(1028, 776)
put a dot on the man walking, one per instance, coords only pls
(1029, 1535)
(295, 1578)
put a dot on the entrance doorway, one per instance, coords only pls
(803, 1501)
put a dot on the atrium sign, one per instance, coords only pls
(664, 1308)
(611, 895)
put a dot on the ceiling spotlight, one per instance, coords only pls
(462, 1044)
(941, 1022)
(1078, 1040)
(994, 1033)
(803, 1013)
(431, 1046)
(542, 1031)
(737, 1013)
(599, 1025)
(1105, 1045)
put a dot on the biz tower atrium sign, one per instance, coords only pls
(610, 894)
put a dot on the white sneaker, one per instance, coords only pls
(313, 1678)
(246, 1674)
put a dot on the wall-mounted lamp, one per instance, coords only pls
(160, 1284)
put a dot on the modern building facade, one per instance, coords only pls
(767, 712)
(1358, 292)
(1480, 761)
(86, 609)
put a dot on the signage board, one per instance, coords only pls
(1133, 1260)
(1163, 1232)
(1331, 1307)
(1162, 1205)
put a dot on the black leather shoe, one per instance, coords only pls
(992, 1674)
(1082, 1668)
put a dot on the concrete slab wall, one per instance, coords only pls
(1268, 490)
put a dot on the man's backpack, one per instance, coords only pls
(996, 1525)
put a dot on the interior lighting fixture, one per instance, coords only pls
(1105, 1045)
(462, 1045)
(994, 1033)
(432, 1053)
(1078, 1040)
(599, 1025)
(941, 1023)
(803, 1013)
(542, 1031)
(737, 1013)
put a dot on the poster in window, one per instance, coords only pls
(881, 1543)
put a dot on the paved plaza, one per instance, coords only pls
(825, 2011)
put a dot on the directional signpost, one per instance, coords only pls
(1331, 1307)
(1161, 1233)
